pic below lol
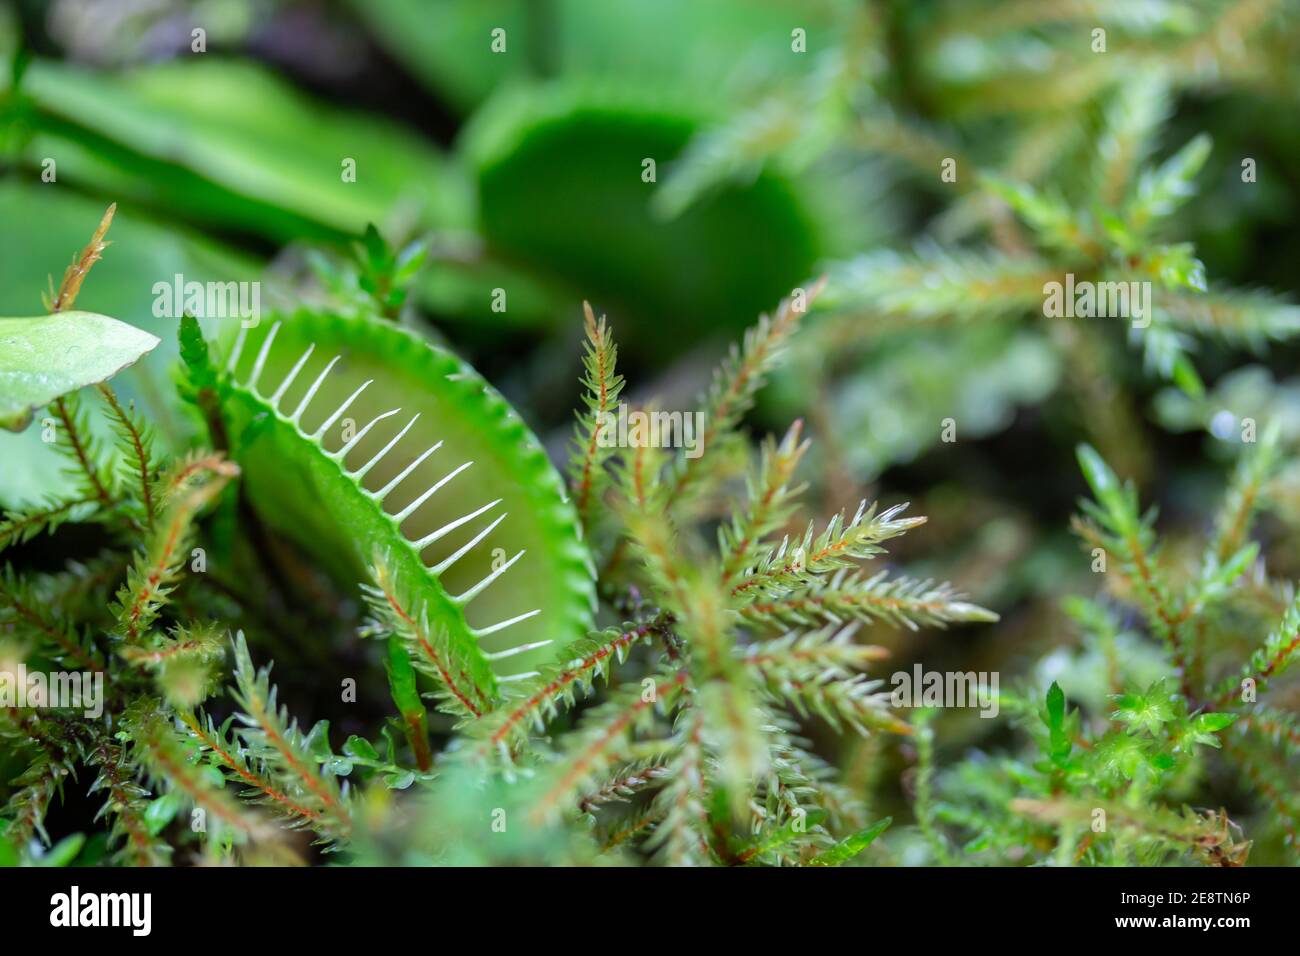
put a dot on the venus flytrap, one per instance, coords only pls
(365, 486)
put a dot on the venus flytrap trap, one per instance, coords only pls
(368, 491)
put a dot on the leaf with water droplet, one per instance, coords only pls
(46, 357)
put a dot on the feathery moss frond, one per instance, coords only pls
(274, 739)
(587, 475)
(23, 524)
(126, 802)
(157, 567)
(170, 765)
(560, 684)
(77, 442)
(847, 595)
(135, 440)
(744, 372)
(821, 672)
(601, 742)
(23, 608)
(838, 546)
(769, 506)
(184, 663)
(233, 759)
(430, 647)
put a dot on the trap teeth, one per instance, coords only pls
(501, 626)
(473, 543)
(479, 588)
(411, 508)
(262, 354)
(512, 678)
(296, 417)
(361, 472)
(450, 526)
(238, 349)
(512, 651)
(338, 412)
(293, 374)
(385, 491)
(342, 453)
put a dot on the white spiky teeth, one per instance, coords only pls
(438, 569)
(493, 628)
(238, 349)
(512, 678)
(293, 373)
(479, 588)
(517, 677)
(361, 472)
(342, 453)
(410, 509)
(341, 409)
(296, 417)
(261, 357)
(451, 526)
(384, 492)
(511, 652)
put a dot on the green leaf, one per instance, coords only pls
(1176, 267)
(1210, 723)
(401, 680)
(1147, 711)
(399, 781)
(851, 846)
(588, 144)
(1050, 217)
(1121, 755)
(65, 851)
(229, 142)
(1100, 478)
(451, 54)
(1186, 377)
(339, 766)
(360, 747)
(1202, 729)
(1164, 189)
(1059, 743)
(46, 357)
(195, 354)
(161, 812)
(1216, 579)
